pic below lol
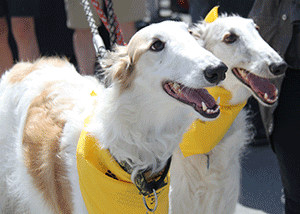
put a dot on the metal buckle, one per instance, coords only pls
(156, 203)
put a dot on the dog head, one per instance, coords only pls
(164, 61)
(250, 60)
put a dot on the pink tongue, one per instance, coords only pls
(262, 86)
(198, 96)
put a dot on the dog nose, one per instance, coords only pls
(215, 74)
(278, 69)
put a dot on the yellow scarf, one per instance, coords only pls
(105, 186)
(202, 137)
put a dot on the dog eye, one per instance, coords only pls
(230, 38)
(157, 46)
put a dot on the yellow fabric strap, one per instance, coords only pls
(105, 186)
(202, 137)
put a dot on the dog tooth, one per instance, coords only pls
(276, 92)
(218, 101)
(216, 110)
(175, 85)
(266, 96)
(204, 107)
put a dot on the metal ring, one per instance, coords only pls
(156, 203)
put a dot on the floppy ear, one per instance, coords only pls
(118, 67)
(198, 31)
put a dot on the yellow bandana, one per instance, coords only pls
(212, 15)
(202, 137)
(105, 186)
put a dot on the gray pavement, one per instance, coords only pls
(260, 179)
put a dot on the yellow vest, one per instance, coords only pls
(202, 137)
(105, 187)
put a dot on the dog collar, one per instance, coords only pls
(202, 137)
(146, 186)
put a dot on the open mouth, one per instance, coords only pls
(200, 99)
(262, 87)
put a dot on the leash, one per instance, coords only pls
(112, 26)
(97, 40)
(110, 21)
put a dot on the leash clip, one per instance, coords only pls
(156, 203)
(207, 165)
(208, 159)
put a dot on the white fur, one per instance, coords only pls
(194, 188)
(141, 123)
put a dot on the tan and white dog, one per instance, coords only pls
(156, 92)
(209, 182)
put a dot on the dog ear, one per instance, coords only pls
(197, 30)
(118, 67)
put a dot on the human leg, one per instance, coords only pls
(128, 30)
(84, 51)
(82, 37)
(6, 59)
(23, 29)
(285, 139)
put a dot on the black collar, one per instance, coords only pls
(145, 186)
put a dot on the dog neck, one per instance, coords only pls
(138, 130)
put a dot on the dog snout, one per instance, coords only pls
(215, 74)
(278, 68)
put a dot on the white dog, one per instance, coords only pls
(209, 183)
(137, 123)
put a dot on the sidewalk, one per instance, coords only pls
(260, 180)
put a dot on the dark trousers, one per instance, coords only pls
(285, 139)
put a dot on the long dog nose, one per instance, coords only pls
(278, 69)
(215, 74)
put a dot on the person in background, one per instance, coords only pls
(279, 23)
(21, 16)
(127, 13)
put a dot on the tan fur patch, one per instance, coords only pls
(121, 62)
(42, 151)
(22, 69)
(124, 74)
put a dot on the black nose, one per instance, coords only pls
(215, 74)
(278, 68)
